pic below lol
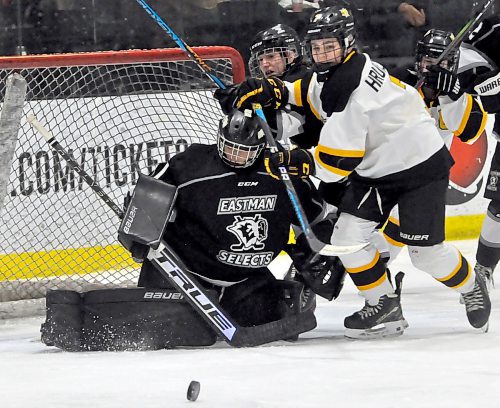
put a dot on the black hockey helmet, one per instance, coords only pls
(431, 46)
(331, 22)
(280, 39)
(240, 140)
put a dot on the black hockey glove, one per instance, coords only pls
(227, 98)
(323, 274)
(444, 81)
(137, 250)
(298, 163)
(268, 92)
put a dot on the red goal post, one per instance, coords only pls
(118, 113)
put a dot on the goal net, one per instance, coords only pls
(118, 114)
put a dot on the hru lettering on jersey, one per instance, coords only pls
(44, 172)
(376, 76)
(238, 205)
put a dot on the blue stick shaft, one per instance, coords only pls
(182, 45)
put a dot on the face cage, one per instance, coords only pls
(452, 60)
(253, 62)
(323, 66)
(237, 154)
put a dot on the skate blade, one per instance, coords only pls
(389, 329)
(485, 328)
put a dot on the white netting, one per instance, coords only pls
(117, 113)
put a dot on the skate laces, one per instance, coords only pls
(486, 272)
(474, 300)
(369, 311)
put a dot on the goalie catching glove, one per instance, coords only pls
(268, 92)
(444, 81)
(297, 162)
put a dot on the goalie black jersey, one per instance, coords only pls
(230, 223)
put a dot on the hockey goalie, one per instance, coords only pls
(225, 213)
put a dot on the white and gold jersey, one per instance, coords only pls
(374, 124)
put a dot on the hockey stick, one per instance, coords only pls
(466, 29)
(174, 270)
(180, 42)
(315, 244)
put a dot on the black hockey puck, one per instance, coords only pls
(193, 390)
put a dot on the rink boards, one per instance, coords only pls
(62, 241)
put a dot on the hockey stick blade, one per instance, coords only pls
(174, 270)
(315, 244)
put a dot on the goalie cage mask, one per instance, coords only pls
(431, 46)
(280, 39)
(330, 22)
(240, 140)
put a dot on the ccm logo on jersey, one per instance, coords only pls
(248, 183)
(414, 237)
(130, 219)
(164, 295)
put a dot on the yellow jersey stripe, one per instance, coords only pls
(481, 127)
(335, 170)
(297, 92)
(465, 117)
(341, 152)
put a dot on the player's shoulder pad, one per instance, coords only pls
(191, 163)
(297, 72)
(342, 83)
(488, 27)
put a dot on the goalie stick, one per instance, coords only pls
(174, 270)
(315, 244)
(466, 29)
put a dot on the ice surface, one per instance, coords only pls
(440, 361)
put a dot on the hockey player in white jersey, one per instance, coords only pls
(480, 72)
(377, 133)
(456, 113)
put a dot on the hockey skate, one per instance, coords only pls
(477, 302)
(487, 272)
(385, 319)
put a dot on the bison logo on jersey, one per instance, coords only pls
(250, 231)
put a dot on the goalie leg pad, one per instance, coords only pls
(142, 319)
(63, 325)
(123, 319)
